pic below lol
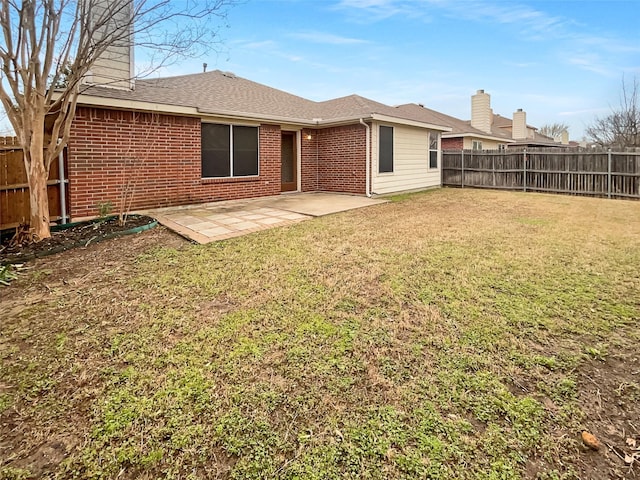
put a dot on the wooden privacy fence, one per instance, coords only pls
(576, 172)
(14, 188)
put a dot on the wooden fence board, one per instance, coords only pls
(14, 190)
(593, 173)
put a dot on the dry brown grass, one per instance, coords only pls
(450, 334)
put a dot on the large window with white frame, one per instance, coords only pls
(385, 151)
(229, 150)
(433, 149)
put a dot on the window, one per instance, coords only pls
(229, 150)
(385, 155)
(476, 145)
(433, 150)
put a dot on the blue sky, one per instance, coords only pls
(560, 61)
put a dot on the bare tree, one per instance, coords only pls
(621, 128)
(47, 48)
(553, 130)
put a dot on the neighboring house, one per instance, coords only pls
(214, 136)
(489, 131)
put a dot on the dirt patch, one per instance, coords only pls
(13, 250)
(610, 399)
(83, 268)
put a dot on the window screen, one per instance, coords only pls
(245, 151)
(229, 150)
(433, 150)
(385, 157)
(216, 160)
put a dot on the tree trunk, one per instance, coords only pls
(37, 175)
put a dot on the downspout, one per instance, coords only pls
(317, 132)
(63, 186)
(317, 161)
(367, 156)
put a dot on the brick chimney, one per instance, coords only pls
(114, 67)
(519, 125)
(481, 114)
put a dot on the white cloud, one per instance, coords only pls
(265, 44)
(375, 10)
(593, 63)
(326, 38)
(521, 64)
(534, 24)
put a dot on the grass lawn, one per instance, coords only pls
(452, 334)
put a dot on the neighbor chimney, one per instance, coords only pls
(519, 125)
(113, 67)
(565, 137)
(481, 114)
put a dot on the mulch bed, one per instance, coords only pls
(64, 238)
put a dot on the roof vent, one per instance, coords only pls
(229, 74)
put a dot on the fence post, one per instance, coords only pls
(524, 170)
(609, 173)
(462, 170)
(493, 168)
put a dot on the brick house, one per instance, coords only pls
(215, 136)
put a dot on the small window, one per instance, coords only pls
(476, 145)
(385, 156)
(433, 150)
(229, 150)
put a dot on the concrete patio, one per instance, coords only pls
(221, 220)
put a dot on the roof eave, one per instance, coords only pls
(477, 135)
(258, 116)
(533, 143)
(117, 103)
(113, 103)
(412, 123)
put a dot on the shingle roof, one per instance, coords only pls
(504, 123)
(219, 92)
(499, 128)
(212, 92)
(457, 126)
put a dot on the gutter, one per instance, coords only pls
(367, 156)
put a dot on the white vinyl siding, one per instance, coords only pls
(410, 162)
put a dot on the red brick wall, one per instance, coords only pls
(157, 158)
(452, 143)
(338, 164)
(309, 160)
